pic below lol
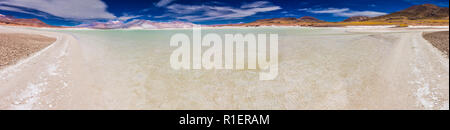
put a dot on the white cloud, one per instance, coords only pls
(13, 9)
(68, 9)
(163, 3)
(360, 13)
(255, 4)
(126, 17)
(330, 11)
(344, 12)
(186, 9)
(162, 16)
(207, 12)
(305, 9)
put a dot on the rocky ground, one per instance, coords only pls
(14, 47)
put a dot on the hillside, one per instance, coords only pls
(426, 11)
(10, 20)
(357, 19)
(303, 21)
(310, 19)
(426, 14)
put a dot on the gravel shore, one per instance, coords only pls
(14, 46)
(343, 69)
(439, 39)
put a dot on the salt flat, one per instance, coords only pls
(320, 68)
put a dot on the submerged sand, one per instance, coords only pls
(15, 46)
(359, 69)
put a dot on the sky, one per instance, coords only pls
(75, 12)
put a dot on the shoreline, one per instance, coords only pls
(18, 46)
(35, 82)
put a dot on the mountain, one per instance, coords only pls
(274, 21)
(310, 19)
(104, 25)
(427, 15)
(289, 21)
(418, 12)
(146, 24)
(10, 20)
(137, 24)
(357, 19)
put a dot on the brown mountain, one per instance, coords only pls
(427, 14)
(303, 21)
(10, 20)
(310, 19)
(357, 19)
(426, 11)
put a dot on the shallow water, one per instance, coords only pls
(318, 69)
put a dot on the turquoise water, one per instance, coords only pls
(131, 70)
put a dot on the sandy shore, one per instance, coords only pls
(14, 47)
(364, 69)
(41, 80)
(439, 40)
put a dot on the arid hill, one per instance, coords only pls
(10, 20)
(418, 12)
(303, 21)
(310, 19)
(426, 14)
(357, 19)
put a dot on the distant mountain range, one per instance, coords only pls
(134, 24)
(426, 14)
(357, 19)
(418, 12)
(137, 24)
(10, 20)
(306, 19)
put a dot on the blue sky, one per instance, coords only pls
(74, 12)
